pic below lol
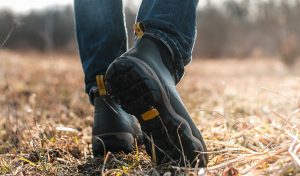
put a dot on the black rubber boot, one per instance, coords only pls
(141, 81)
(114, 130)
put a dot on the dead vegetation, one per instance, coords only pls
(248, 112)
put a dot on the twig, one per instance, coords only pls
(281, 117)
(263, 160)
(186, 169)
(8, 35)
(277, 93)
(235, 121)
(283, 128)
(112, 172)
(227, 150)
(104, 163)
(197, 167)
(293, 149)
(299, 101)
(293, 155)
(102, 142)
(297, 148)
(122, 163)
(157, 147)
(233, 161)
(232, 145)
(14, 155)
(183, 155)
(169, 135)
(153, 151)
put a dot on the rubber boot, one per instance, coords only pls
(142, 82)
(114, 130)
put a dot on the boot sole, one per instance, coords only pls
(139, 91)
(113, 142)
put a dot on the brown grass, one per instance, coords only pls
(247, 110)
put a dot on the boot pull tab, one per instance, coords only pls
(138, 29)
(101, 85)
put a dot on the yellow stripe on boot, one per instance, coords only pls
(101, 85)
(138, 30)
(151, 114)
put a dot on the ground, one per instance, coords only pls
(247, 111)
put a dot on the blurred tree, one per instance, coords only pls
(237, 10)
(234, 29)
(42, 30)
(7, 25)
(288, 39)
(212, 32)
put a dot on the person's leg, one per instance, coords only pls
(101, 35)
(174, 22)
(101, 38)
(144, 79)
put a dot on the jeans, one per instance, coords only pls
(102, 36)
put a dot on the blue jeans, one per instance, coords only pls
(102, 36)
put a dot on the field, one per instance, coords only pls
(247, 110)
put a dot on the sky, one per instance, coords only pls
(23, 6)
(27, 5)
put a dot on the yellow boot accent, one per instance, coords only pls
(138, 29)
(151, 114)
(101, 85)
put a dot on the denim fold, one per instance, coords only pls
(102, 36)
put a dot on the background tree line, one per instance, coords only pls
(234, 29)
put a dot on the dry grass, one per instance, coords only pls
(248, 112)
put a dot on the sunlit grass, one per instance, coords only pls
(247, 111)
